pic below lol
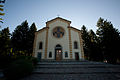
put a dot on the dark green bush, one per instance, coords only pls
(18, 69)
(30, 58)
(34, 60)
(4, 61)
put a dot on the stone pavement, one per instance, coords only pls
(74, 70)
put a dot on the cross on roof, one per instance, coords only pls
(58, 15)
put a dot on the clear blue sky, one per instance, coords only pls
(80, 12)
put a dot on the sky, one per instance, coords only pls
(79, 12)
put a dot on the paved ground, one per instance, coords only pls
(84, 70)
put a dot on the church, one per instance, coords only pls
(58, 41)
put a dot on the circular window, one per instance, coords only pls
(58, 32)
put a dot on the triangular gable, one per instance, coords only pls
(58, 18)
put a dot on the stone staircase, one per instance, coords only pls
(75, 70)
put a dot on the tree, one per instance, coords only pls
(20, 38)
(31, 37)
(86, 42)
(4, 42)
(91, 45)
(94, 46)
(4, 47)
(109, 39)
(23, 38)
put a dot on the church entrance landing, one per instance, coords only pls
(58, 52)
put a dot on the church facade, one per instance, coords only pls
(58, 41)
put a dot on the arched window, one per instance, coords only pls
(75, 45)
(50, 54)
(40, 45)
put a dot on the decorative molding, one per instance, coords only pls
(34, 44)
(70, 42)
(46, 43)
(41, 30)
(81, 45)
(75, 29)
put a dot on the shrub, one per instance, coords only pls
(4, 61)
(34, 60)
(30, 58)
(18, 69)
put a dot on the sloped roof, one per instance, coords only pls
(58, 18)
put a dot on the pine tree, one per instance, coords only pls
(4, 42)
(95, 50)
(91, 45)
(109, 39)
(23, 38)
(5, 47)
(86, 42)
(31, 37)
(20, 38)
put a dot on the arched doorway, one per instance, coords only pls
(58, 52)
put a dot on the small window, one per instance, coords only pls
(50, 54)
(75, 45)
(66, 54)
(40, 45)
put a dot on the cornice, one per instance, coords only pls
(58, 18)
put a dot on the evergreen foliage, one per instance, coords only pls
(4, 42)
(86, 42)
(109, 39)
(104, 45)
(91, 45)
(4, 47)
(22, 39)
(31, 37)
(95, 50)
(18, 69)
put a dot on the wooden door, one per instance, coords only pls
(77, 56)
(58, 55)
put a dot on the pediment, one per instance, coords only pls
(58, 18)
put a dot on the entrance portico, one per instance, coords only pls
(58, 52)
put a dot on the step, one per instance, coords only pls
(73, 63)
(72, 77)
(76, 70)
(76, 66)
